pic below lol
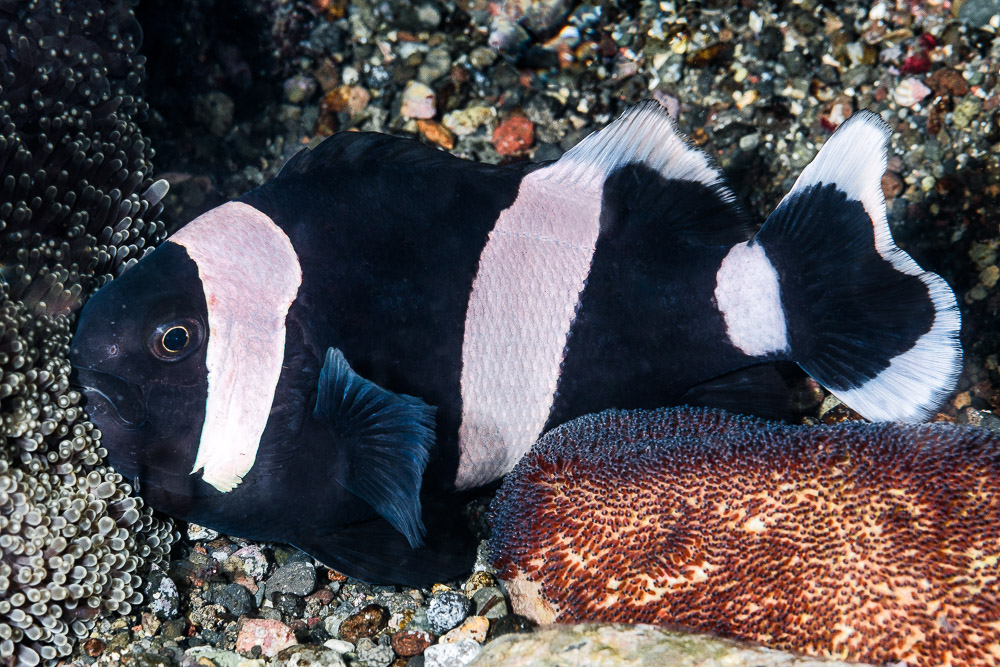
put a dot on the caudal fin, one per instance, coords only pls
(863, 319)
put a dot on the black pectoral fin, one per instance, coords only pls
(386, 438)
(378, 553)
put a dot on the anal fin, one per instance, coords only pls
(376, 552)
(761, 391)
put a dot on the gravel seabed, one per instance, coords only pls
(236, 87)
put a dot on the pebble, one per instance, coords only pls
(375, 655)
(207, 655)
(446, 610)
(749, 142)
(408, 643)
(453, 655)
(161, 593)
(437, 63)
(368, 622)
(464, 122)
(482, 57)
(236, 599)
(490, 602)
(339, 646)
(271, 636)
(966, 111)
(350, 99)
(418, 101)
(909, 92)
(979, 13)
(308, 656)
(474, 628)
(436, 133)
(297, 578)
(514, 136)
(289, 604)
(892, 185)
(299, 88)
(249, 560)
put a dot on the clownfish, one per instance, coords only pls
(324, 359)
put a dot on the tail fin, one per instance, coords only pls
(863, 319)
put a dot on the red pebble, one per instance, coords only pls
(514, 136)
(918, 63)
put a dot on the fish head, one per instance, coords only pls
(139, 358)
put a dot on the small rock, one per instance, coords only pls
(299, 88)
(250, 561)
(208, 655)
(509, 625)
(428, 16)
(436, 133)
(490, 602)
(437, 63)
(947, 81)
(464, 122)
(236, 599)
(295, 577)
(209, 616)
(474, 628)
(289, 604)
(418, 101)
(892, 185)
(749, 142)
(173, 629)
(446, 610)
(339, 646)
(409, 643)
(966, 111)
(482, 57)
(452, 655)
(308, 656)
(909, 92)
(514, 136)
(368, 622)
(95, 647)
(271, 636)
(352, 99)
(162, 595)
(150, 660)
(477, 581)
(978, 13)
(374, 655)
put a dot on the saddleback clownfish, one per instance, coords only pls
(323, 360)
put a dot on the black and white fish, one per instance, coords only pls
(314, 361)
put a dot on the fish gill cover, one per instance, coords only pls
(77, 207)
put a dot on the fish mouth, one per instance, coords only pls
(123, 401)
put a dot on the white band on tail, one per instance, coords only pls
(749, 298)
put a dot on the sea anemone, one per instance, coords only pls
(77, 207)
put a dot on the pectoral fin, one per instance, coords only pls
(386, 439)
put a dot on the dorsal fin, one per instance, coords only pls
(645, 134)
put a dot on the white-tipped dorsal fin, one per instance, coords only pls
(646, 134)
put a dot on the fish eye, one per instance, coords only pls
(175, 340)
